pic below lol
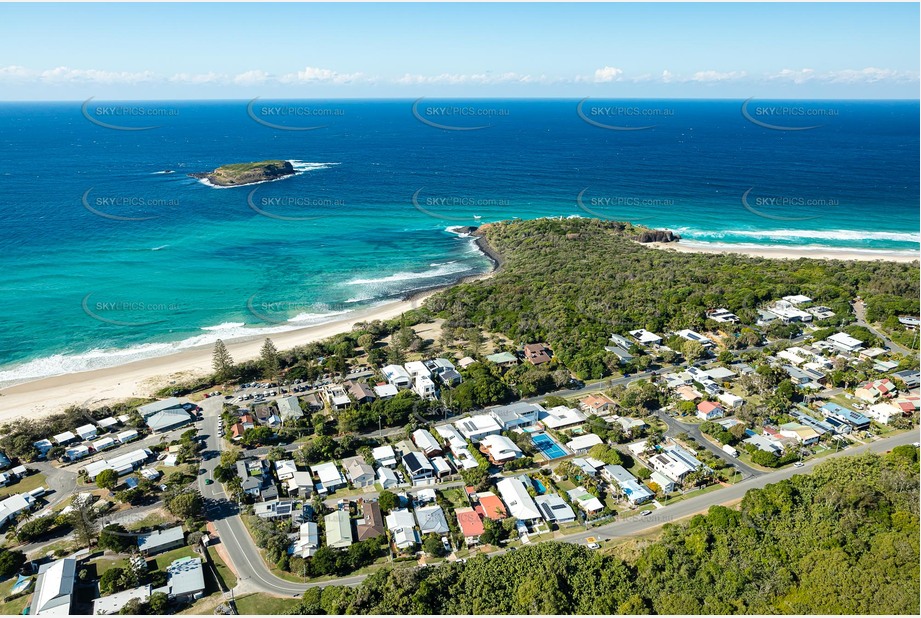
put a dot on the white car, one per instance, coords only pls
(798, 464)
(594, 546)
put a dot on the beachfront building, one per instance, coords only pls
(646, 338)
(518, 414)
(289, 408)
(788, 313)
(402, 527)
(634, 491)
(499, 449)
(477, 427)
(583, 443)
(385, 391)
(427, 442)
(328, 476)
(586, 502)
(722, 315)
(371, 524)
(707, 411)
(338, 529)
(54, 588)
(845, 343)
(432, 519)
(503, 359)
(554, 509)
(537, 353)
(307, 542)
(397, 376)
(470, 524)
(691, 335)
(123, 464)
(560, 417)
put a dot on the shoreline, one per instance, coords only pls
(142, 378)
(786, 253)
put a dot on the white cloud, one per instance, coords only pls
(608, 74)
(797, 76)
(716, 76)
(868, 75)
(668, 77)
(251, 78)
(314, 74)
(198, 78)
(15, 72)
(66, 75)
(409, 79)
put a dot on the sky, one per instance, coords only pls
(242, 51)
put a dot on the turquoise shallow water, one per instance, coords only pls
(111, 252)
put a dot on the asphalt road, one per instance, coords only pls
(860, 311)
(675, 427)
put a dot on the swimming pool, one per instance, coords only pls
(547, 446)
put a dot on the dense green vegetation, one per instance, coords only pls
(573, 282)
(841, 540)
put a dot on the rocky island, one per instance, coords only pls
(239, 174)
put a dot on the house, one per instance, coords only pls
(559, 417)
(387, 477)
(519, 502)
(722, 316)
(416, 369)
(623, 355)
(503, 359)
(313, 401)
(470, 524)
(43, 446)
(806, 436)
(731, 401)
(402, 526)
(168, 419)
(150, 474)
(427, 442)
(432, 519)
(371, 525)
(872, 353)
(845, 343)
(797, 299)
(597, 404)
(171, 403)
(820, 427)
(185, 580)
(87, 432)
(586, 502)
(765, 443)
(360, 392)
(909, 322)
(54, 588)
(537, 353)
(300, 484)
(720, 374)
(707, 411)
(665, 484)
(786, 311)
(883, 412)
(442, 467)
(336, 396)
(418, 467)
(629, 424)
(444, 371)
(554, 509)
(585, 466)
(425, 387)
(690, 335)
(384, 456)
(113, 603)
(873, 391)
(385, 391)
(127, 436)
(289, 408)
(518, 414)
(274, 509)
(671, 467)
(820, 312)
(285, 469)
(75, 453)
(490, 506)
(104, 444)
(64, 438)
(644, 337)
(688, 393)
(236, 431)
(582, 444)
(910, 377)
(338, 529)
(397, 376)
(358, 472)
(633, 490)
(308, 541)
(123, 464)
(248, 422)
(475, 428)
(621, 342)
(160, 541)
(854, 419)
(13, 505)
(466, 362)
(499, 449)
(329, 477)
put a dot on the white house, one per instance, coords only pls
(427, 442)
(385, 391)
(845, 342)
(285, 469)
(731, 401)
(397, 376)
(707, 411)
(562, 416)
(519, 502)
(475, 428)
(87, 432)
(416, 369)
(554, 509)
(385, 456)
(424, 387)
(582, 444)
(500, 449)
(644, 337)
(330, 479)
(387, 477)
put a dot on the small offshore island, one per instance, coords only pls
(239, 174)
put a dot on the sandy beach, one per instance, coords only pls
(142, 378)
(785, 253)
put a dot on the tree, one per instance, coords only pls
(692, 351)
(268, 359)
(159, 603)
(221, 362)
(432, 546)
(186, 505)
(112, 580)
(107, 479)
(84, 520)
(117, 538)
(11, 561)
(388, 501)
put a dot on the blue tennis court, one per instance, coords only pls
(547, 446)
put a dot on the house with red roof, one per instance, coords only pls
(471, 525)
(708, 410)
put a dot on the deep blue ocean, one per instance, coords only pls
(110, 252)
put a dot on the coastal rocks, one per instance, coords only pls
(239, 174)
(658, 236)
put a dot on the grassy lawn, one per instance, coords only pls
(264, 604)
(223, 571)
(456, 496)
(14, 607)
(104, 564)
(152, 520)
(28, 483)
(165, 559)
